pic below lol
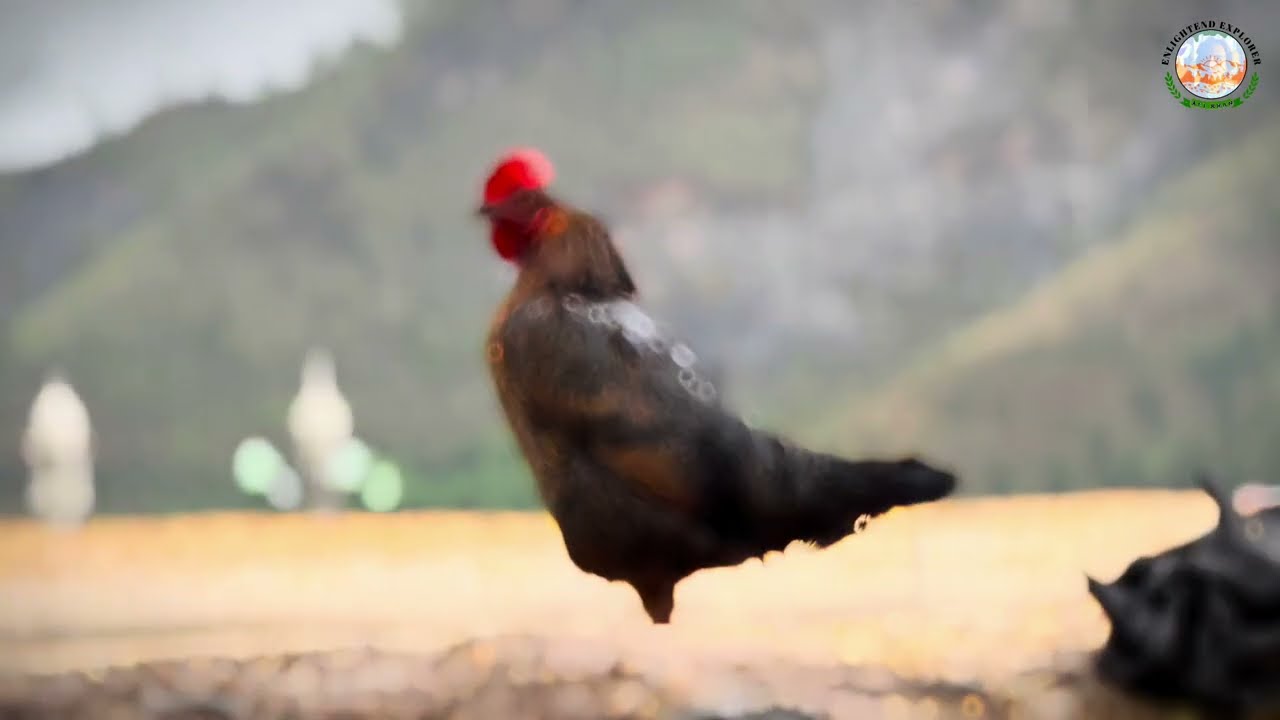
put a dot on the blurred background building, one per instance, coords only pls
(982, 231)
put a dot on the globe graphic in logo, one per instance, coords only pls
(1211, 64)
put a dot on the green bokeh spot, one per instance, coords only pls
(255, 465)
(350, 466)
(383, 488)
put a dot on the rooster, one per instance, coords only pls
(647, 475)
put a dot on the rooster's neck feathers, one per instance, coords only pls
(574, 254)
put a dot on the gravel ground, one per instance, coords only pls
(533, 677)
(966, 608)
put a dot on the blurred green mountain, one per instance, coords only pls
(1139, 363)
(201, 255)
(178, 274)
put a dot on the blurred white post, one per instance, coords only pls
(58, 450)
(321, 424)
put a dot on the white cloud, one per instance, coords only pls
(74, 72)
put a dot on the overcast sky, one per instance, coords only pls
(73, 72)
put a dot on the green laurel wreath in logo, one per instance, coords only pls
(1253, 85)
(1212, 104)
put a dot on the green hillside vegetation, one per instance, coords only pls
(1139, 363)
(250, 233)
(179, 273)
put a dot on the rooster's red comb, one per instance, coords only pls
(523, 168)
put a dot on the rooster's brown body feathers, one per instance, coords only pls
(648, 477)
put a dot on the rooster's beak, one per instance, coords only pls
(485, 211)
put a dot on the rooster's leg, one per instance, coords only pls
(658, 596)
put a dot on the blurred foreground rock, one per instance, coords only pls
(530, 677)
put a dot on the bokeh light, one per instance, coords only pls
(255, 465)
(383, 488)
(349, 466)
(285, 492)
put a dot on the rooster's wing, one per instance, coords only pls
(601, 377)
